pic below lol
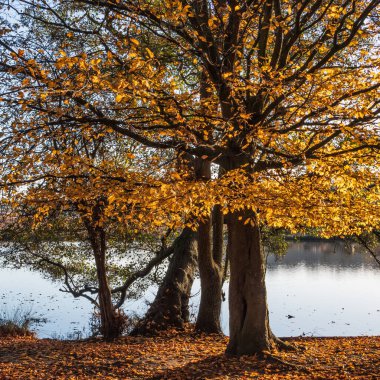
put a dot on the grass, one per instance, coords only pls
(17, 323)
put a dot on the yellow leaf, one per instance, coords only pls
(119, 98)
(150, 53)
(134, 41)
(226, 75)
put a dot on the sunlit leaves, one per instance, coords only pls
(290, 98)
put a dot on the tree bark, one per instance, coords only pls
(210, 271)
(249, 321)
(209, 256)
(111, 321)
(170, 307)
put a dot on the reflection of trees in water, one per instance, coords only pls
(334, 254)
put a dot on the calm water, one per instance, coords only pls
(317, 289)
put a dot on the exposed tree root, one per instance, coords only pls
(282, 345)
(276, 359)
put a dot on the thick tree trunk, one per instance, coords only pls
(249, 322)
(210, 260)
(111, 321)
(170, 307)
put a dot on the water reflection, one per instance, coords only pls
(326, 288)
(330, 254)
(25, 291)
(318, 288)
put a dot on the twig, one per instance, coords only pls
(365, 245)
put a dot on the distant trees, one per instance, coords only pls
(290, 119)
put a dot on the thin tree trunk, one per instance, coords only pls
(249, 322)
(210, 252)
(111, 321)
(210, 260)
(187, 287)
(170, 307)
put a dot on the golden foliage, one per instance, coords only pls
(291, 115)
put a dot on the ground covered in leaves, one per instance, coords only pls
(186, 356)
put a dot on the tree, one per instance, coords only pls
(173, 272)
(291, 118)
(64, 225)
(76, 167)
(51, 172)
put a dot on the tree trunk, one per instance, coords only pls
(170, 307)
(210, 260)
(111, 321)
(209, 255)
(249, 322)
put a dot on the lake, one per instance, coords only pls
(318, 289)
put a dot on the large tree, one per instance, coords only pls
(291, 117)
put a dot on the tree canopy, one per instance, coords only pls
(292, 105)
